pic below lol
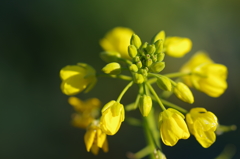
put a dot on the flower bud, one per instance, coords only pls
(183, 92)
(144, 46)
(112, 68)
(159, 46)
(137, 59)
(133, 68)
(157, 67)
(138, 78)
(145, 105)
(151, 49)
(164, 83)
(160, 56)
(109, 56)
(148, 62)
(132, 51)
(160, 35)
(136, 41)
(144, 72)
(139, 64)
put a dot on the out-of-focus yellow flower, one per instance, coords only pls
(117, 40)
(76, 78)
(113, 115)
(177, 46)
(172, 127)
(183, 92)
(94, 138)
(202, 125)
(87, 111)
(206, 76)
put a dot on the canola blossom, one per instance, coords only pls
(141, 64)
(206, 76)
(202, 124)
(172, 127)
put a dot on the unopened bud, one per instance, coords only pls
(183, 92)
(145, 105)
(110, 56)
(112, 68)
(136, 41)
(159, 46)
(157, 67)
(148, 62)
(139, 64)
(151, 49)
(144, 72)
(164, 83)
(160, 35)
(132, 51)
(137, 59)
(138, 78)
(160, 56)
(133, 68)
(144, 46)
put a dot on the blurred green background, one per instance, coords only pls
(38, 38)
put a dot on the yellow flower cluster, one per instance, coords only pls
(124, 49)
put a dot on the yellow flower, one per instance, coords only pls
(177, 46)
(87, 111)
(94, 138)
(117, 40)
(172, 127)
(202, 125)
(112, 116)
(206, 76)
(76, 78)
(183, 92)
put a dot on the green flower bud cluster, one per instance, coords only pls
(146, 58)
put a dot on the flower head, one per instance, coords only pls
(202, 125)
(76, 78)
(172, 127)
(206, 76)
(94, 138)
(87, 111)
(117, 40)
(112, 116)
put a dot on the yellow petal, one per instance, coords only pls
(89, 138)
(177, 46)
(71, 70)
(117, 40)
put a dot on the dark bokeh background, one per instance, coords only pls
(38, 38)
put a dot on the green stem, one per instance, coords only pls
(177, 74)
(152, 134)
(156, 96)
(123, 77)
(124, 91)
(174, 106)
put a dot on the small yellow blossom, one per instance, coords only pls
(112, 68)
(94, 138)
(76, 78)
(183, 92)
(87, 111)
(117, 40)
(177, 46)
(113, 115)
(202, 125)
(145, 105)
(172, 127)
(206, 76)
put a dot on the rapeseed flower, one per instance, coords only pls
(172, 127)
(113, 115)
(76, 78)
(94, 138)
(205, 75)
(202, 124)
